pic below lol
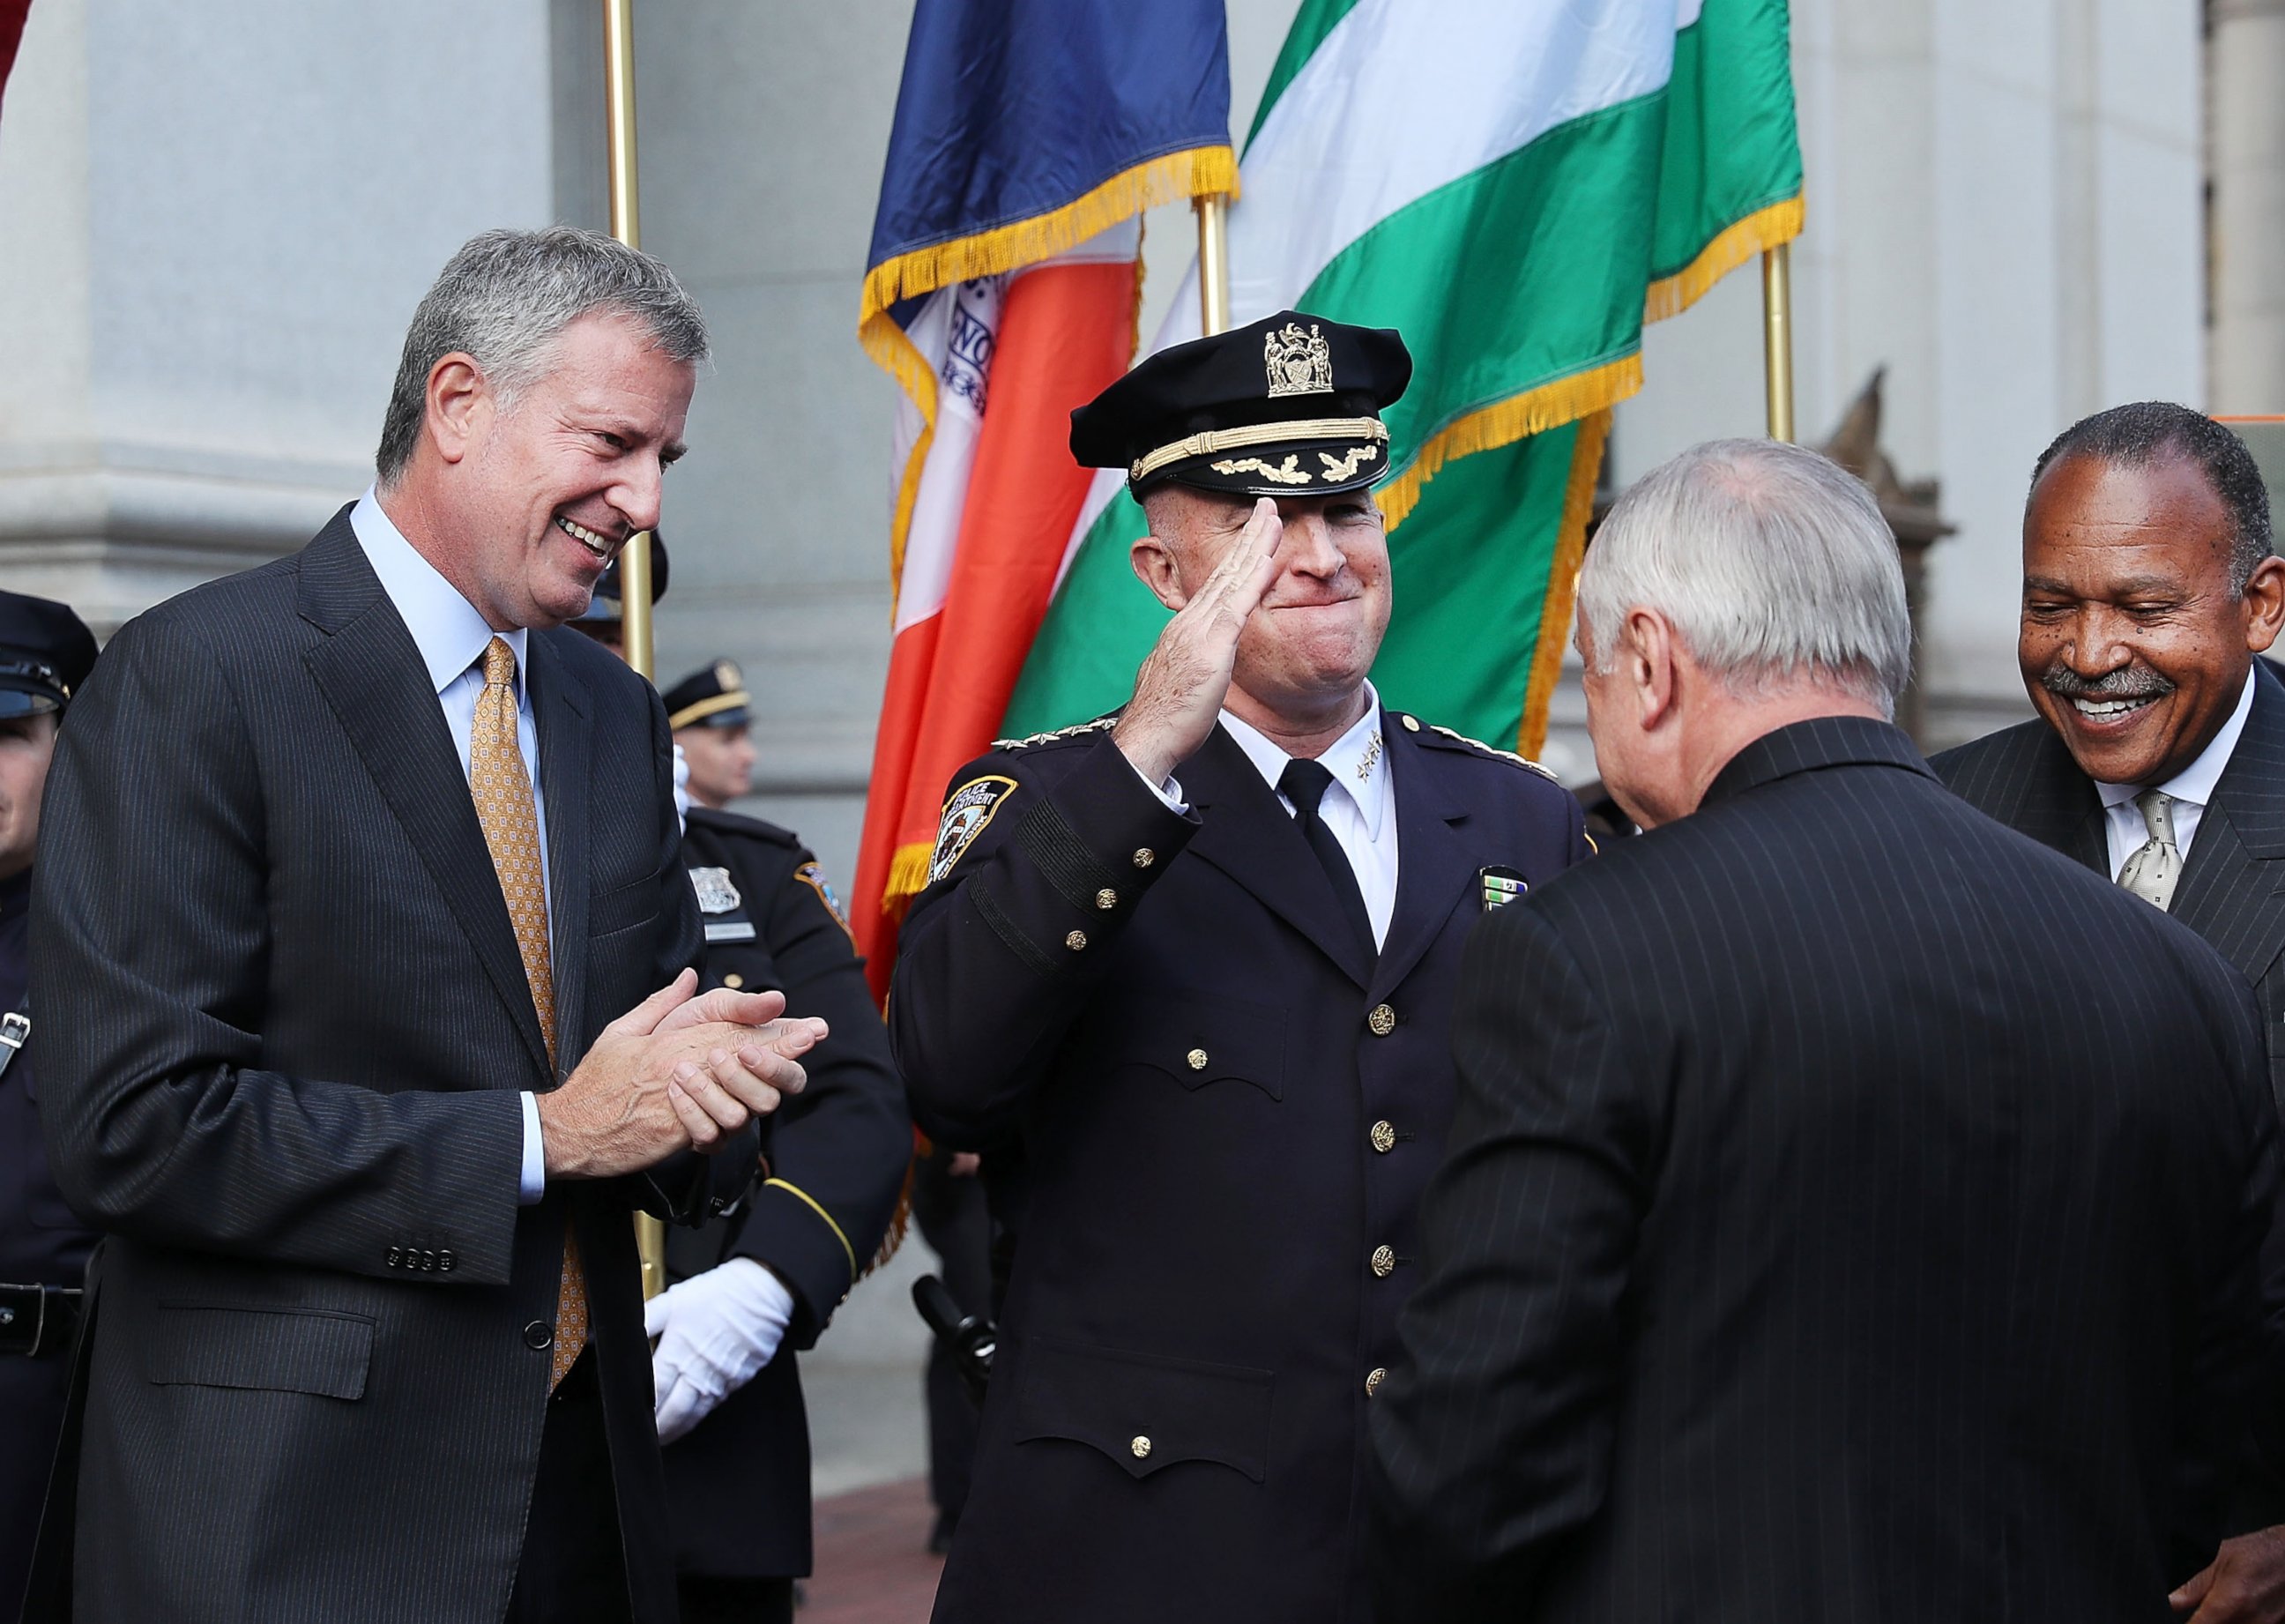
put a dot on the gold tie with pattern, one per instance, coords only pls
(502, 789)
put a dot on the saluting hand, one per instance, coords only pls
(674, 1072)
(1180, 689)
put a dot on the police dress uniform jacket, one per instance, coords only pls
(283, 1022)
(738, 1483)
(41, 1244)
(1226, 1107)
(2232, 890)
(1852, 1210)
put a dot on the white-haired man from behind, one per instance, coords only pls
(1852, 1206)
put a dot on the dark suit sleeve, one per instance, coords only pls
(687, 1187)
(1493, 1438)
(839, 1148)
(998, 958)
(152, 950)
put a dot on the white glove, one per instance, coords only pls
(681, 808)
(714, 1330)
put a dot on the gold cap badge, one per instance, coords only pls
(1298, 362)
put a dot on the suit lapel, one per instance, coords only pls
(1432, 868)
(1249, 836)
(560, 708)
(372, 677)
(2059, 807)
(2232, 890)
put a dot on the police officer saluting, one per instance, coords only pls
(1200, 958)
(748, 1289)
(45, 654)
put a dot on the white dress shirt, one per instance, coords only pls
(1363, 817)
(451, 637)
(2124, 830)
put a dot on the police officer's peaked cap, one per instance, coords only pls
(1287, 407)
(45, 653)
(714, 697)
(605, 606)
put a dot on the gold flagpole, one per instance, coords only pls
(634, 558)
(1777, 336)
(1214, 263)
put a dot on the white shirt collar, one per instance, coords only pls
(446, 628)
(2195, 782)
(1356, 759)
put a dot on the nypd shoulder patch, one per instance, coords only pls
(971, 806)
(813, 877)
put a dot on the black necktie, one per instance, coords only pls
(1304, 783)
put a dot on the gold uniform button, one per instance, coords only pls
(1198, 1059)
(1373, 1379)
(1106, 899)
(1382, 1020)
(1384, 1261)
(1383, 1137)
(1144, 857)
(1076, 940)
(1411, 724)
(1141, 1446)
(733, 981)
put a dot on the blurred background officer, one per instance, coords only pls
(1201, 963)
(2158, 759)
(750, 1287)
(45, 654)
(711, 714)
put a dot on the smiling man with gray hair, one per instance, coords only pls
(1851, 1205)
(366, 1016)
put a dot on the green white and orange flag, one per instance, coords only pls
(1516, 185)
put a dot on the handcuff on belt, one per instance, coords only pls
(34, 1320)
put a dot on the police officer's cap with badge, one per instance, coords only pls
(714, 697)
(46, 652)
(1286, 406)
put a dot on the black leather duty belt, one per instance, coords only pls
(37, 1321)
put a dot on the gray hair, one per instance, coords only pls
(505, 299)
(1772, 563)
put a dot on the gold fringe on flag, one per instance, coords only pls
(908, 876)
(1550, 405)
(1562, 584)
(1758, 231)
(1195, 172)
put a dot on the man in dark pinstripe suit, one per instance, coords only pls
(2158, 756)
(1853, 1209)
(326, 845)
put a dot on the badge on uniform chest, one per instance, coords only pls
(1500, 886)
(718, 895)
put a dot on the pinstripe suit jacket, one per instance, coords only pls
(2233, 885)
(283, 1022)
(1853, 1211)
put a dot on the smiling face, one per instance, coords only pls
(2133, 642)
(1313, 637)
(536, 493)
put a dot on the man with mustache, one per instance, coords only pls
(362, 963)
(1188, 968)
(2158, 757)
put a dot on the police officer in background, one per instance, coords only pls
(45, 654)
(749, 1289)
(711, 714)
(1199, 959)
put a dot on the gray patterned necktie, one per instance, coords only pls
(2156, 867)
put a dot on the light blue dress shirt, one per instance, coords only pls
(451, 637)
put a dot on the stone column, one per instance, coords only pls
(2245, 57)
